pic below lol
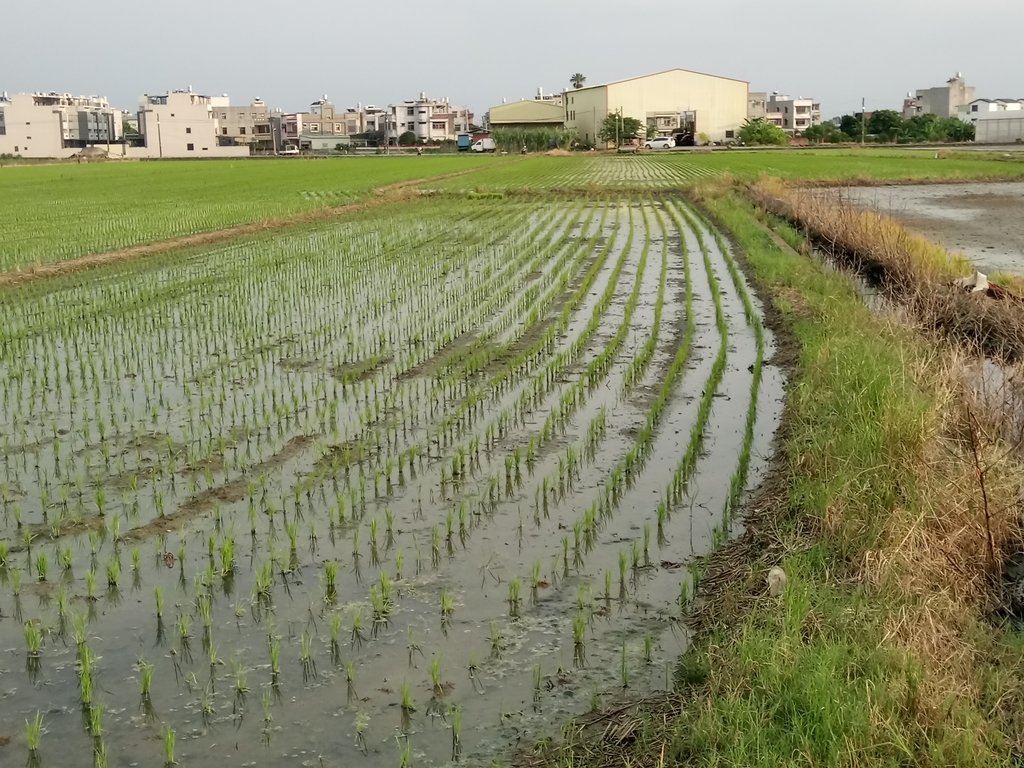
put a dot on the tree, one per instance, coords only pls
(885, 124)
(407, 139)
(760, 131)
(851, 125)
(577, 80)
(825, 133)
(618, 127)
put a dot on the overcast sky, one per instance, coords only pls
(478, 53)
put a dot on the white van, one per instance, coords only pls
(484, 145)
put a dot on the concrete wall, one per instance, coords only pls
(1001, 129)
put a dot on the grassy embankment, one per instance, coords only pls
(882, 650)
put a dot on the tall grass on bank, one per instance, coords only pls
(881, 650)
(908, 267)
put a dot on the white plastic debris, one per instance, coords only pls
(974, 284)
(776, 581)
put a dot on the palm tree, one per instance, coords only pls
(578, 80)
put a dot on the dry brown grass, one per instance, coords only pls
(907, 267)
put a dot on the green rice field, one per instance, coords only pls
(401, 486)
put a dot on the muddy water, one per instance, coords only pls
(984, 221)
(514, 669)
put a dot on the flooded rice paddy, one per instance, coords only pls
(405, 489)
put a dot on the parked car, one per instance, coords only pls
(685, 140)
(660, 142)
(289, 151)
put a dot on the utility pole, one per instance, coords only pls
(863, 120)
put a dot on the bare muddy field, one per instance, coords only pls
(400, 489)
(984, 221)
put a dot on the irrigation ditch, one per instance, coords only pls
(399, 489)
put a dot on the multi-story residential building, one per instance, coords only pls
(323, 127)
(247, 125)
(184, 124)
(431, 120)
(45, 125)
(944, 101)
(793, 115)
(757, 108)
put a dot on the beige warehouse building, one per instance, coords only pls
(677, 99)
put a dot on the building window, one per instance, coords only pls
(223, 115)
(974, 107)
(188, 130)
(339, 128)
(223, 131)
(241, 131)
(730, 134)
(190, 147)
(410, 111)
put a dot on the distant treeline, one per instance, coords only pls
(889, 126)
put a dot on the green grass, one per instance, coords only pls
(814, 680)
(57, 212)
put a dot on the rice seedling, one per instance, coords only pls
(330, 581)
(306, 657)
(33, 639)
(42, 566)
(169, 739)
(456, 715)
(34, 733)
(96, 720)
(579, 642)
(497, 641)
(624, 667)
(514, 600)
(145, 677)
(447, 606)
(407, 703)
(362, 723)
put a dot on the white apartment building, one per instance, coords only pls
(793, 115)
(56, 125)
(429, 119)
(184, 124)
(971, 111)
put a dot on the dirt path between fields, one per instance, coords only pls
(387, 195)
